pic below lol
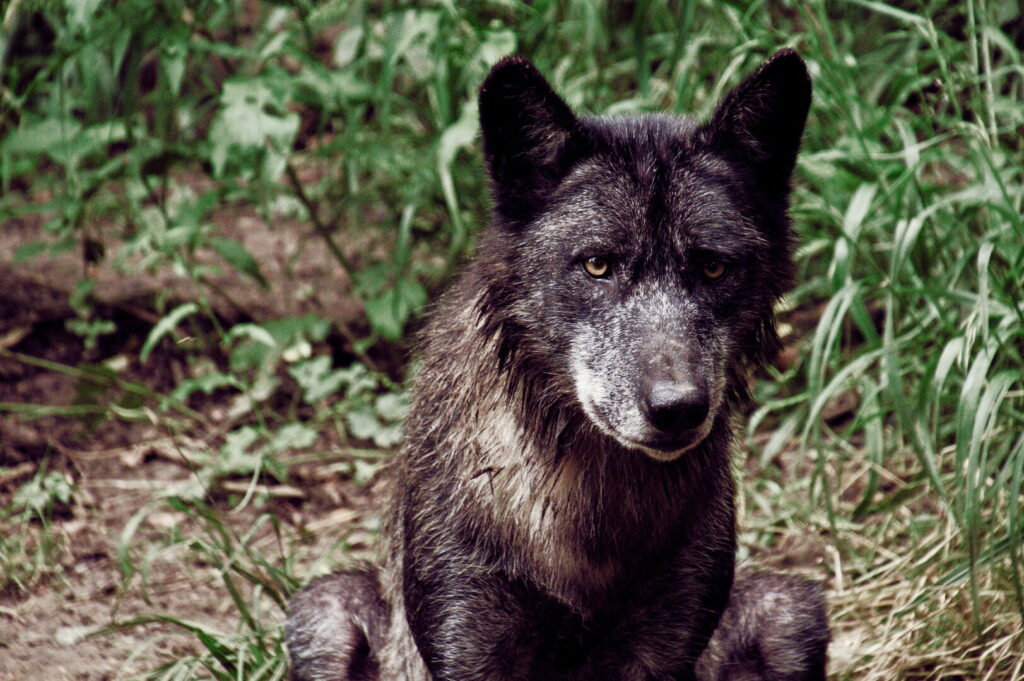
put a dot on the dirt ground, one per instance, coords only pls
(60, 625)
(118, 469)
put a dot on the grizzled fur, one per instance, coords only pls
(564, 507)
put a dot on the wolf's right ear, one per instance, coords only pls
(530, 137)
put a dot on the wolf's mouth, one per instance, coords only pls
(677, 444)
(664, 449)
(657, 447)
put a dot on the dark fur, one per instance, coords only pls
(563, 506)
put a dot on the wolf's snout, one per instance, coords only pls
(675, 408)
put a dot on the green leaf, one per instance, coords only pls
(63, 140)
(205, 384)
(291, 437)
(172, 62)
(253, 332)
(392, 406)
(411, 33)
(41, 137)
(389, 435)
(363, 423)
(163, 327)
(236, 255)
(382, 312)
(372, 279)
(389, 312)
(334, 89)
(346, 46)
(460, 134)
(40, 493)
(247, 122)
(28, 251)
(317, 379)
(358, 380)
(496, 45)
(235, 456)
(80, 298)
(363, 470)
(90, 329)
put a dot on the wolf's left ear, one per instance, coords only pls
(760, 121)
(530, 137)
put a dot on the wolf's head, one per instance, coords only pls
(634, 262)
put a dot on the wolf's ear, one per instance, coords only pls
(530, 136)
(760, 121)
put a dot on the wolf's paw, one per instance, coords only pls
(334, 627)
(775, 628)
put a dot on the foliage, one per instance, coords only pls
(905, 392)
(256, 583)
(29, 545)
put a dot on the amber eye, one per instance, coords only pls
(714, 269)
(597, 267)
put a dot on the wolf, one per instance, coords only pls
(563, 505)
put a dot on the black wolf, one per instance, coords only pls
(563, 505)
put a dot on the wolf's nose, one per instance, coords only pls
(675, 408)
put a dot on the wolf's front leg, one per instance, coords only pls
(480, 627)
(335, 628)
(660, 627)
(775, 628)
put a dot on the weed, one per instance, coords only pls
(30, 545)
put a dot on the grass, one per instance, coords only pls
(904, 401)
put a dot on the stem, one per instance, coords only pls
(84, 375)
(323, 230)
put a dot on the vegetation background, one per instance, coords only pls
(222, 218)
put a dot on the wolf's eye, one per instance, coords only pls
(597, 267)
(713, 269)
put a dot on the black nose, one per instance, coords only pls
(675, 408)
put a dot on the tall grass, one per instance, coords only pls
(915, 206)
(907, 204)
